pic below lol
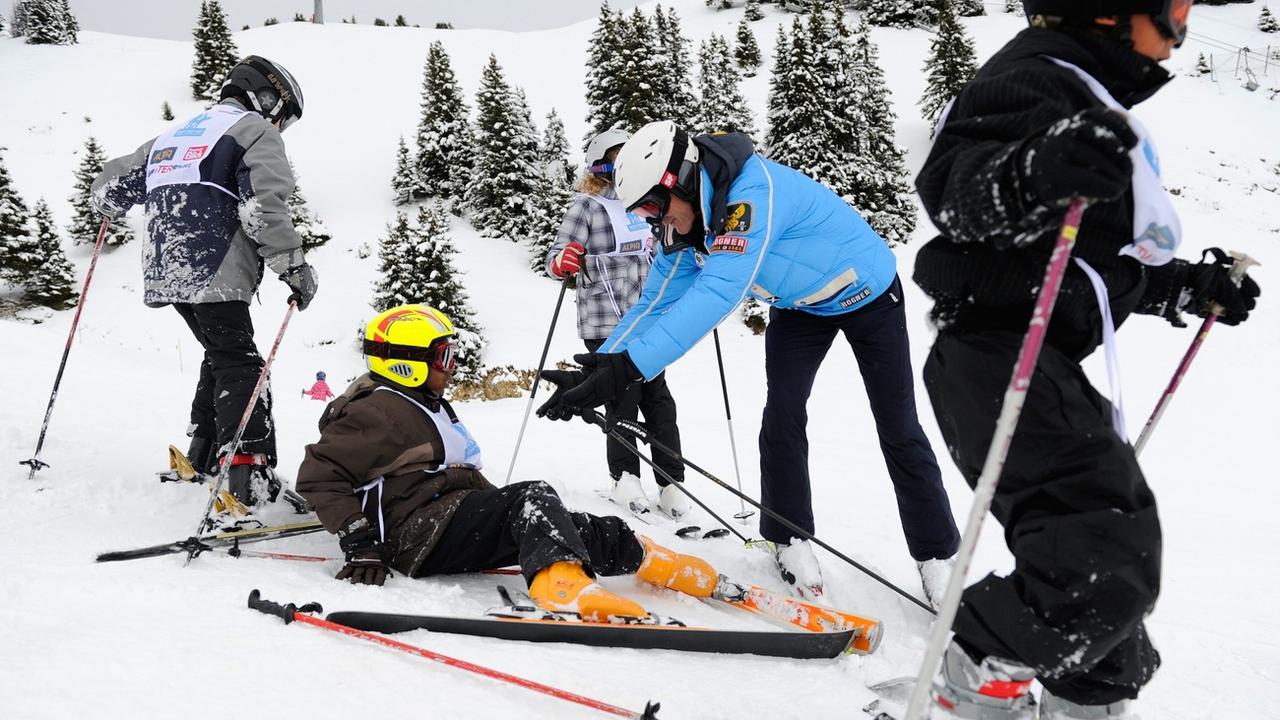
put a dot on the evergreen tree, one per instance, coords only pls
(795, 135)
(1267, 22)
(51, 279)
(397, 276)
(308, 224)
(671, 80)
(499, 200)
(747, 51)
(15, 262)
(1, 24)
(271, 21)
(554, 151)
(166, 112)
(604, 73)
(722, 108)
(1202, 66)
(299, 17)
(379, 22)
(899, 13)
(216, 53)
(444, 140)
(49, 22)
(752, 12)
(951, 63)
(85, 221)
(969, 8)
(551, 201)
(18, 23)
(1013, 7)
(883, 197)
(405, 181)
(401, 22)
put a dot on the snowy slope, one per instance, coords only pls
(151, 639)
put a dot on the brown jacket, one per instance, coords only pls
(365, 435)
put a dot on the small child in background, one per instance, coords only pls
(320, 390)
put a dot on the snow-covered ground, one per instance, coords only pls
(152, 639)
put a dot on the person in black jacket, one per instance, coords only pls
(1046, 120)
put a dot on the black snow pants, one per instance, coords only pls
(527, 524)
(654, 399)
(795, 344)
(1077, 515)
(230, 369)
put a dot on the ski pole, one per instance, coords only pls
(742, 513)
(984, 489)
(289, 613)
(641, 434)
(35, 462)
(1239, 267)
(225, 470)
(594, 418)
(555, 316)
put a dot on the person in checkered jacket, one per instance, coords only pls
(609, 250)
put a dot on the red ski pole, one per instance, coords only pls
(1238, 269)
(984, 489)
(35, 462)
(290, 613)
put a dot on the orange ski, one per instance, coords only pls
(807, 615)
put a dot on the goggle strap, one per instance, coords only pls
(392, 351)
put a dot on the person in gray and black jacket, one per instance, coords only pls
(216, 189)
(613, 248)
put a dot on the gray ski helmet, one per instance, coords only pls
(600, 146)
(1170, 16)
(265, 87)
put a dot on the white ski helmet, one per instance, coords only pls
(656, 162)
(602, 143)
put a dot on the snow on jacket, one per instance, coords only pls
(970, 189)
(216, 188)
(773, 232)
(365, 435)
(610, 283)
(319, 391)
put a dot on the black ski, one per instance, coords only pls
(558, 628)
(228, 538)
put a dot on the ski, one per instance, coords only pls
(229, 538)
(784, 609)
(655, 518)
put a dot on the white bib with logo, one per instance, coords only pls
(175, 155)
(631, 233)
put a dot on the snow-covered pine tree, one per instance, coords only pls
(672, 78)
(14, 263)
(722, 108)
(752, 11)
(1, 24)
(401, 22)
(642, 74)
(49, 22)
(51, 279)
(1013, 7)
(1267, 22)
(444, 142)
(969, 8)
(498, 200)
(747, 50)
(950, 66)
(308, 224)
(85, 221)
(405, 179)
(18, 21)
(397, 282)
(554, 150)
(1202, 65)
(166, 112)
(899, 13)
(604, 79)
(883, 196)
(216, 52)
(70, 26)
(795, 134)
(550, 202)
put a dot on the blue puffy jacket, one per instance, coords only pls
(788, 240)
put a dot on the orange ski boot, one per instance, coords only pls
(688, 574)
(564, 587)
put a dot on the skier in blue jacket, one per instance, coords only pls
(737, 223)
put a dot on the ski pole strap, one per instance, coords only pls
(288, 613)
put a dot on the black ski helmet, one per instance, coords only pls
(1170, 16)
(265, 87)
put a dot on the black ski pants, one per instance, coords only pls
(1077, 515)
(795, 344)
(527, 524)
(228, 372)
(654, 399)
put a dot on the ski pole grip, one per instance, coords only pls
(1241, 262)
(284, 612)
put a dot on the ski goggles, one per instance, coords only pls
(439, 355)
(1172, 20)
(601, 169)
(653, 205)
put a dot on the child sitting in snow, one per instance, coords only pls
(396, 475)
(320, 390)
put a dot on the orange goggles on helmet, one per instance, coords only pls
(440, 355)
(1172, 20)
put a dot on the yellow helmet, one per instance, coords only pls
(405, 343)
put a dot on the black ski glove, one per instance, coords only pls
(1210, 289)
(1085, 155)
(302, 280)
(364, 553)
(608, 377)
(564, 380)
